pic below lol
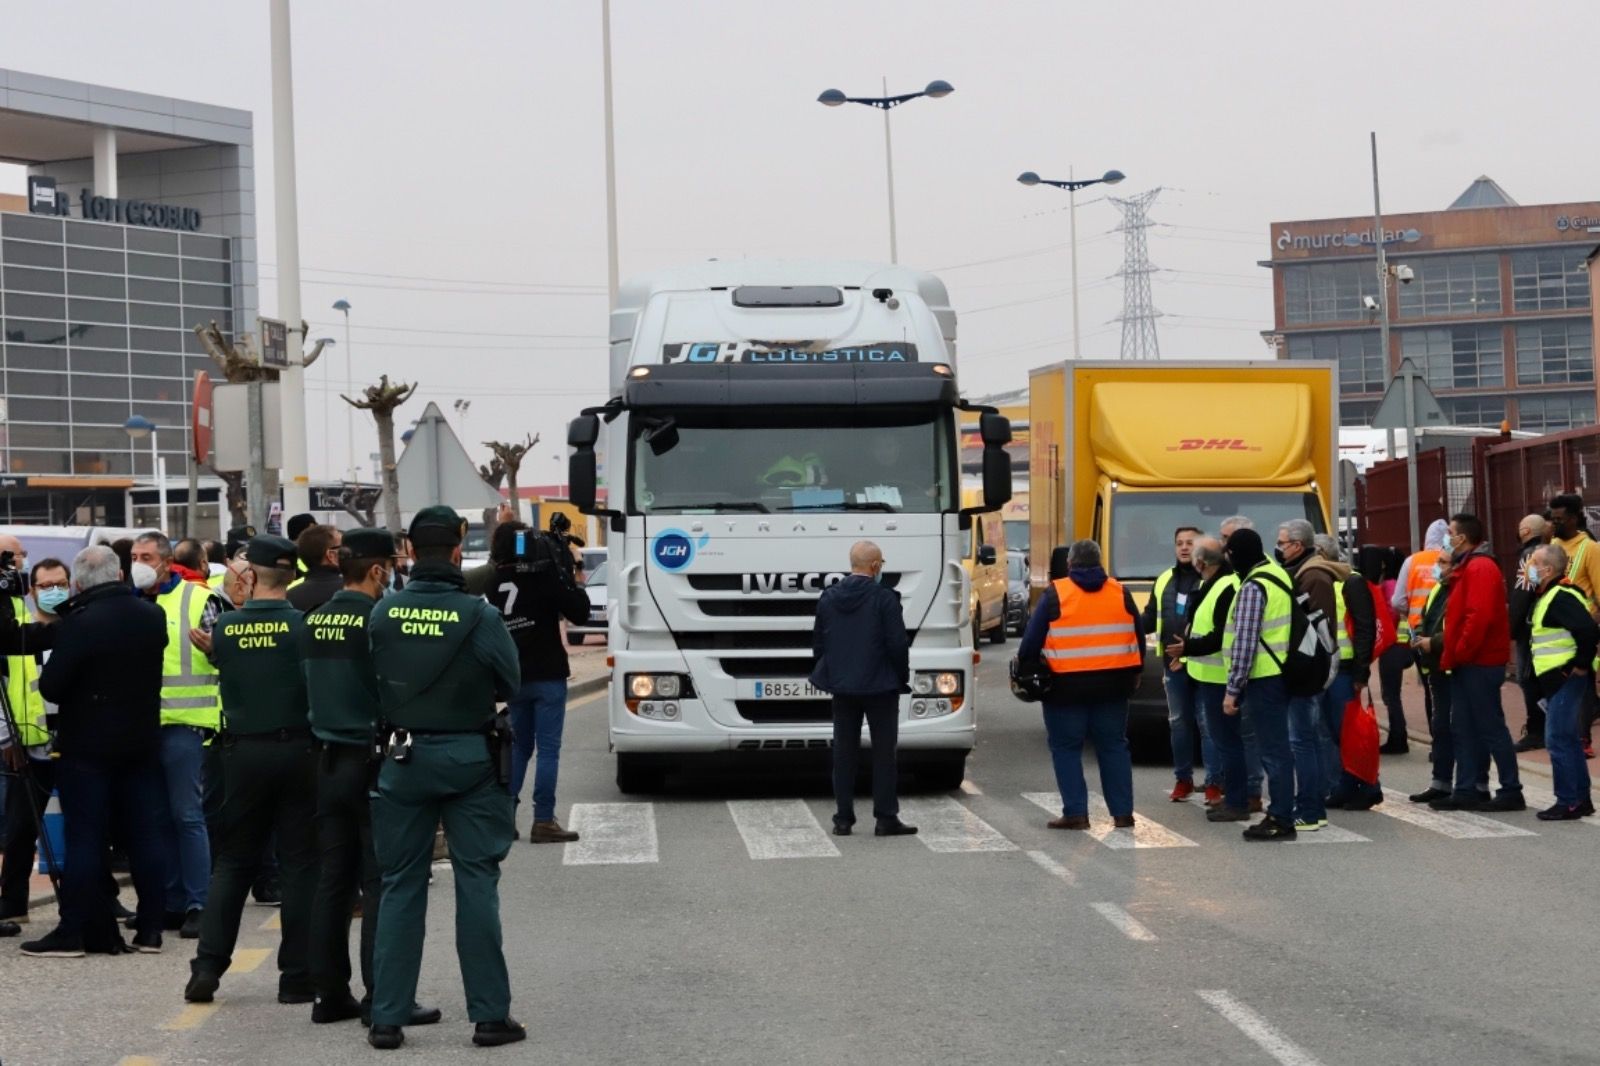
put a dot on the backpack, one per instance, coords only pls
(1313, 659)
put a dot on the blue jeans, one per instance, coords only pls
(1184, 716)
(538, 714)
(183, 828)
(1266, 703)
(1562, 722)
(1305, 746)
(1227, 742)
(102, 800)
(1479, 724)
(1066, 726)
(1252, 753)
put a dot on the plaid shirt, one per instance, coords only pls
(1248, 605)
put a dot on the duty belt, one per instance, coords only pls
(274, 734)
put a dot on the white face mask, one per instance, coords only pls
(144, 575)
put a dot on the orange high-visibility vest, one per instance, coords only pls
(1093, 632)
(1419, 580)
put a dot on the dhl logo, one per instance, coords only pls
(1213, 444)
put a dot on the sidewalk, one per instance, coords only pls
(1516, 709)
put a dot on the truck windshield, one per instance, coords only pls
(766, 461)
(1143, 523)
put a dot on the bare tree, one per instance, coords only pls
(493, 473)
(509, 456)
(382, 399)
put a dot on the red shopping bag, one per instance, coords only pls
(1358, 740)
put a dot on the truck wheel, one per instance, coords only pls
(637, 773)
(942, 773)
(999, 634)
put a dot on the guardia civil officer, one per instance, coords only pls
(343, 693)
(442, 659)
(268, 773)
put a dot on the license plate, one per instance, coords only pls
(785, 690)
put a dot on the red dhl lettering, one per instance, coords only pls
(1218, 444)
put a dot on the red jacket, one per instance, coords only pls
(1477, 624)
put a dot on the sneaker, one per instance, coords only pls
(550, 832)
(1213, 795)
(886, 827)
(147, 943)
(191, 925)
(1364, 802)
(1428, 795)
(1122, 821)
(1255, 805)
(1558, 813)
(1530, 742)
(55, 945)
(1181, 791)
(1269, 828)
(1309, 825)
(1069, 821)
(1220, 813)
(1506, 801)
(494, 1034)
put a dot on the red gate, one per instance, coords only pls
(1384, 502)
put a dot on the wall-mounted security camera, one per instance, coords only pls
(1370, 303)
(1404, 274)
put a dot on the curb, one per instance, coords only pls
(589, 685)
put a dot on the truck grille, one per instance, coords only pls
(735, 582)
(784, 712)
(775, 667)
(763, 608)
(791, 640)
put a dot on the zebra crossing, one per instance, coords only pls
(791, 829)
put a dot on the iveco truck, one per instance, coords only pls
(763, 417)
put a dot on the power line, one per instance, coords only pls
(1019, 255)
(464, 332)
(452, 281)
(431, 288)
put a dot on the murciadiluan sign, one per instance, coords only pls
(1312, 242)
(43, 199)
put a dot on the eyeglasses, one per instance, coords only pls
(61, 584)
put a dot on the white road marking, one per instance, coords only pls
(944, 825)
(1458, 825)
(1332, 834)
(970, 789)
(612, 833)
(1144, 834)
(1130, 926)
(780, 829)
(1050, 866)
(1257, 1028)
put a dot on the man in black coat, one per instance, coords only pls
(104, 676)
(863, 659)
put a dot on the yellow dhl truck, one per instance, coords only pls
(1125, 453)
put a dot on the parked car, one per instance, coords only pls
(1016, 592)
(65, 542)
(595, 586)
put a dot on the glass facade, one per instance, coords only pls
(1327, 292)
(1361, 369)
(1457, 357)
(1555, 353)
(1549, 279)
(1476, 410)
(1452, 286)
(96, 325)
(1555, 412)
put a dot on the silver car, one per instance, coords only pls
(1016, 592)
(595, 586)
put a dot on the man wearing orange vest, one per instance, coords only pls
(1418, 575)
(1088, 632)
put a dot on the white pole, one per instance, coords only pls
(292, 380)
(105, 162)
(1072, 222)
(888, 166)
(349, 390)
(158, 467)
(611, 159)
(1383, 343)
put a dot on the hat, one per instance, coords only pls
(367, 544)
(238, 536)
(267, 550)
(298, 524)
(437, 526)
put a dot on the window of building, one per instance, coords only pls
(1549, 279)
(1551, 414)
(1357, 413)
(1476, 410)
(1452, 285)
(1361, 369)
(1457, 357)
(1555, 353)
(1326, 292)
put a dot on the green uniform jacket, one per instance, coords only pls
(258, 651)
(442, 657)
(339, 680)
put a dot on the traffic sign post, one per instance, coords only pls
(274, 343)
(200, 419)
(436, 469)
(1408, 404)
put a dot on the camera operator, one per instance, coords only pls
(534, 588)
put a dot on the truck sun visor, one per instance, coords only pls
(788, 296)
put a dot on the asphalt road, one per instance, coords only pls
(721, 924)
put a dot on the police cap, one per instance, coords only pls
(367, 544)
(437, 527)
(298, 524)
(238, 537)
(267, 550)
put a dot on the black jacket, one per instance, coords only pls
(104, 674)
(1522, 595)
(1432, 627)
(533, 616)
(1174, 617)
(319, 586)
(859, 643)
(1089, 686)
(1363, 615)
(1567, 612)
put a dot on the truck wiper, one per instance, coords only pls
(844, 505)
(751, 505)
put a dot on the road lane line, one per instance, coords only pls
(1458, 825)
(1050, 866)
(1332, 834)
(138, 1060)
(191, 1017)
(612, 833)
(1130, 926)
(1257, 1028)
(246, 960)
(274, 922)
(780, 829)
(945, 826)
(970, 789)
(1145, 833)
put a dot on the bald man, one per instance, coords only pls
(862, 658)
(1532, 533)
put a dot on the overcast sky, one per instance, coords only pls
(452, 172)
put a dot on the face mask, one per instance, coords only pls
(50, 599)
(1438, 572)
(144, 576)
(1277, 553)
(1535, 575)
(877, 578)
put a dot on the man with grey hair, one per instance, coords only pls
(1531, 534)
(1315, 578)
(1237, 521)
(862, 657)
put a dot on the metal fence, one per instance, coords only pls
(1519, 477)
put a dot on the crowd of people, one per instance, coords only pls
(293, 718)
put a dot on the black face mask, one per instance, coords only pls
(1277, 553)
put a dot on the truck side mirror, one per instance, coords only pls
(994, 429)
(986, 555)
(582, 468)
(996, 475)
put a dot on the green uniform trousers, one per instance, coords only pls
(268, 786)
(448, 778)
(348, 864)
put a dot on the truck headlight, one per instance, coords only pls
(945, 683)
(655, 687)
(641, 686)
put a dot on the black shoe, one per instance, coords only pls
(55, 945)
(1269, 828)
(147, 943)
(1530, 742)
(294, 994)
(328, 1011)
(191, 925)
(119, 912)
(171, 922)
(1335, 802)
(266, 894)
(1428, 795)
(420, 1015)
(1391, 747)
(9, 928)
(1227, 814)
(493, 1034)
(893, 827)
(201, 987)
(842, 829)
(1558, 813)
(386, 1037)
(1506, 801)
(1364, 802)
(1453, 802)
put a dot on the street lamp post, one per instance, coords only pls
(343, 307)
(833, 98)
(138, 428)
(1110, 177)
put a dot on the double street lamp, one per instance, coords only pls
(833, 98)
(1110, 177)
